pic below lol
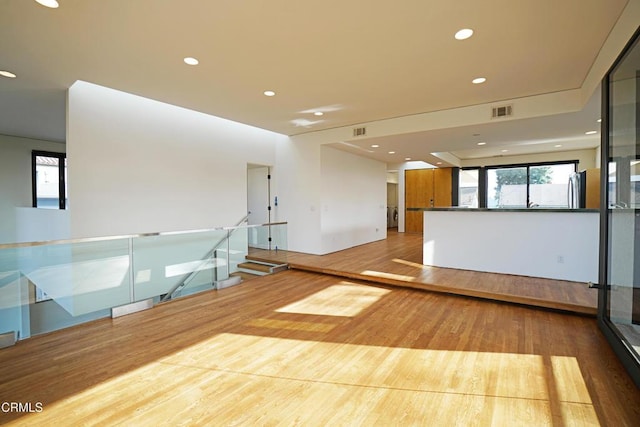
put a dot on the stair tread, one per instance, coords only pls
(255, 266)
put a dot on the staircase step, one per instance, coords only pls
(265, 268)
(280, 267)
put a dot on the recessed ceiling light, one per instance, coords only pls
(392, 152)
(7, 74)
(478, 80)
(591, 132)
(318, 113)
(558, 145)
(375, 146)
(504, 151)
(269, 93)
(599, 120)
(407, 158)
(482, 143)
(53, 4)
(464, 34)
(438, 163)
(191, 61)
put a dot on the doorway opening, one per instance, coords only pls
(259, 205)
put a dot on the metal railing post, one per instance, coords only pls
(228, 253)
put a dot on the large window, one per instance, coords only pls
(542, 185)
(468, 188)
(49, 180)
(507, 187)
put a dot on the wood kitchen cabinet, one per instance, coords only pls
(425, 188)
(592, 188)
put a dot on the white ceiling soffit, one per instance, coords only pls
(356, 62)
(539, 134)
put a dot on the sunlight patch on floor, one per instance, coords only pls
(506, 375)
(345, 299)
(254, 379)
(572, 387)
(412, 264)
(383, 275)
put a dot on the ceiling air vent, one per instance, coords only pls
(502, 111)
(359, 131)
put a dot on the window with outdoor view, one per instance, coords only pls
(542, 185)
(49, 178)
(468, 188)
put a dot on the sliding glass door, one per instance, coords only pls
(619, 301)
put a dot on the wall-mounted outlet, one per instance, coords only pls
(560, 259)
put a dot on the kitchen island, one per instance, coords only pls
(558, 244)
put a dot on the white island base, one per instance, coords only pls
(554, 244)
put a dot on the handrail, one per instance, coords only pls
(187, 277)
(130, 236)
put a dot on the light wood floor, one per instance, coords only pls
(300, 348)
(398, 261)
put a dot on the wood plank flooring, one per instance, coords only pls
(299, 348)
(397, 261)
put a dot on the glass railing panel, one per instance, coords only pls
(279, 237)
(162, 262)
(80, 277)
(237, 247)
(268, 236)
(49, 286)
(12, 296)
(258, 237)
(45, 287)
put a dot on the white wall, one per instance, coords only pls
(332, 199)
(354, 199)
(298, 192)
(15, 179)
(138, 165)
(37, 225)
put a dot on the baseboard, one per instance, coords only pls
(231, 281)
(123, 310)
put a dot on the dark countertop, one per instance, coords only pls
(459, 209)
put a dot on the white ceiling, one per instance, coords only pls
(356, 60)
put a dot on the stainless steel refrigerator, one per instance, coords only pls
(576, 190)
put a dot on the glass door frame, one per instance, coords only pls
(619, 345)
